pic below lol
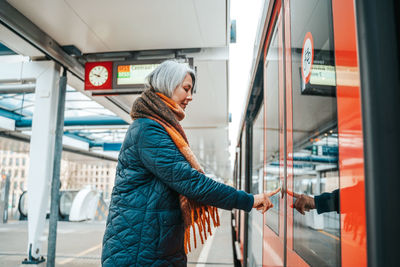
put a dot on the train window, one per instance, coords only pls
(256, 187)
(271, 96)
(257, 152)
(243, 158)
(316, 237)
(242, 180)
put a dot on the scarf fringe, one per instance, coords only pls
(202, 219)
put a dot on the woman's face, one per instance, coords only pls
(183, 93)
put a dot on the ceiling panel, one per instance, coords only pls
(60, 22)
(126, 25)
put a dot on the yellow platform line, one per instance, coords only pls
(81, 254)
(328, 234)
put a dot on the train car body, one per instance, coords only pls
(320, 121)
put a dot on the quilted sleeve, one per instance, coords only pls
(161, 157)
(327, 202)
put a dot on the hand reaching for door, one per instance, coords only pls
(262, 202)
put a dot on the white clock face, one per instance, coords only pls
(98, 75)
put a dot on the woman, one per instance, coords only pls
(160, 191)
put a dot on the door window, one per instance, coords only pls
(272, 128)
(316, 237)
(256, 187)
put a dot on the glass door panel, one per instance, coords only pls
(316, 237)
(273, 227)
(324, 136)
(255, 233)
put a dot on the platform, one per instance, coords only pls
(79, 244)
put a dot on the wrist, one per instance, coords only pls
(256, 200)
(312, 203)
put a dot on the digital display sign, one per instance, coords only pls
(322, 81)
(130, 76)
(323, 75)
(133, 74)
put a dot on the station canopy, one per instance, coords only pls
(101, 30)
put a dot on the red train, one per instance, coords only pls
(322, 114)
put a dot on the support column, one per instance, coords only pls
(42, 155)
(55, 184)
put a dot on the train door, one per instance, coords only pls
(324, 134)
(313, 141)
(274, 150)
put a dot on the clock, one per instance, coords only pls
(98, 75)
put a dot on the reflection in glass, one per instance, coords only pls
(271, 177)
(316, 238)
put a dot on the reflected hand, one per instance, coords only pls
(303, 202)
(262, 201)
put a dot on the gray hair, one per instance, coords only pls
(168, 75)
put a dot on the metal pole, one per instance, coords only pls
(55, 183)
(17, 88)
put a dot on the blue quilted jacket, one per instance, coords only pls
(144, 224)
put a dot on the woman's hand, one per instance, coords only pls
(262, 201)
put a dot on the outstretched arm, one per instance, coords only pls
(325, 202)
(161, 157)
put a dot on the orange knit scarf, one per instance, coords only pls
(167, 112)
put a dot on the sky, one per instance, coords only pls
(247, 15)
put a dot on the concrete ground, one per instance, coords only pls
(79, 244)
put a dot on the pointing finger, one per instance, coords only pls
(293, 194)
(274, 192)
